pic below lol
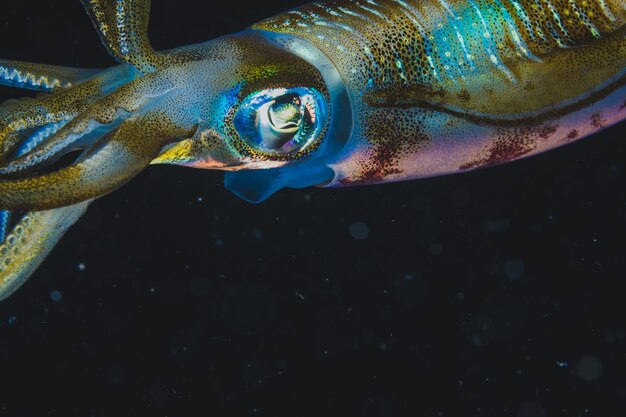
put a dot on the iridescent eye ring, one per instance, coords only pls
(281, 121)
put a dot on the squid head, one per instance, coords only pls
(270, 112)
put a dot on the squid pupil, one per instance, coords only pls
(286, 114)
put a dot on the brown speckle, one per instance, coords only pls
(510, 144)
(597, 121)
(546, 131)
(464, 95)
(393, 136)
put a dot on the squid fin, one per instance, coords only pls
(256, 186)
(123, 28)
(30, 241)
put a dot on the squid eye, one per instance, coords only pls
(281, 121)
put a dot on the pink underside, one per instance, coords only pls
(470, 146)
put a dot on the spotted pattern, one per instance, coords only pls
(398, 135)
(511, 144)
(434, 42)
(41, 77)
(30, 241)
(488, 67)
(123, 28)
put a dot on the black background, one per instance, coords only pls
(493, 293)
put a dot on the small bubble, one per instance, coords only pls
(531, 408)
(480, 330)
(81, 266)
(359, 230)
(589, 368)
(435, 249)
(55, 296)
(159, 393)
(513, 269)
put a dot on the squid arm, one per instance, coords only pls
(123, 28)
(118, 133)
(41, 77)
(30, 241)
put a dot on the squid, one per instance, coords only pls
(331, 94)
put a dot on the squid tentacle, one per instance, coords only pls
(17, 117)
(41, 77)
(25, 245)
(113, 161)
(100, 118)
(123, 28)
(30, 241)
(120, 132)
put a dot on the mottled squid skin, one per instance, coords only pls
(440, 86)
(330, 94)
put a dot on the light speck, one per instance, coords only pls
(81, 266)
(359, 230)
(55, 296)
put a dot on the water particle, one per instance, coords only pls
(530, 408)
(589, 368)
(81, 266)
(159, 392)
(55, 296)
(359, 230)
(435, 249)
(513, 269)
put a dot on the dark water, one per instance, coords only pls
(492, 293)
